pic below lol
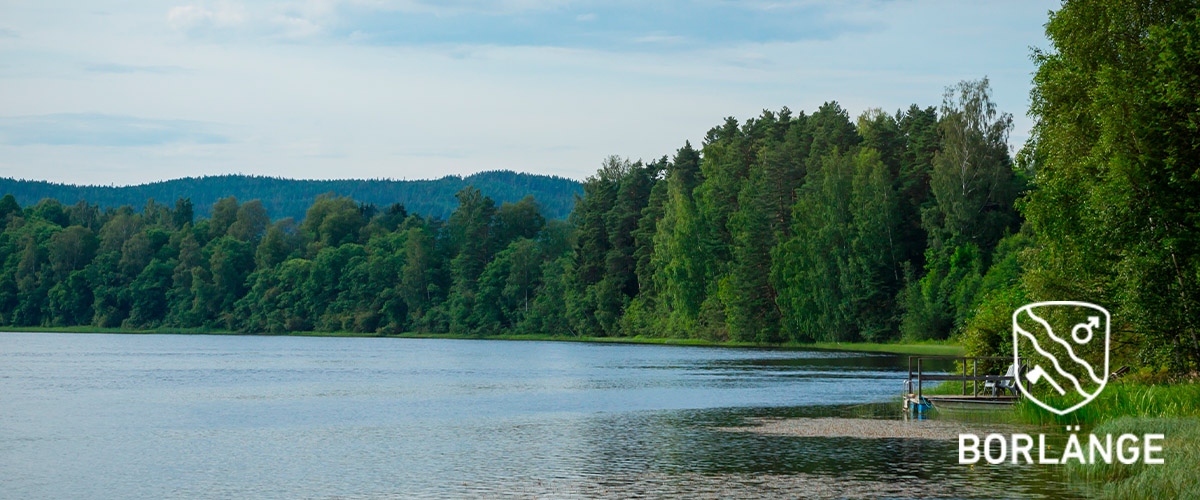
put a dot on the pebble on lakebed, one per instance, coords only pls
(864, 428)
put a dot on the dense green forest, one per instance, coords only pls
(292, 197)
(789, 226)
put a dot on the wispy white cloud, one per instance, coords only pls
(464, 7)
(296, 26)
(223, 14)
(132, 68)
(659, 38)
(505, 22)
(230, 20)
(93, 129)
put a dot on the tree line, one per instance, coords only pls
(292, 197)
(787, 227)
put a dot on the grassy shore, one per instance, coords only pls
(1134, 407)
(928, 348)
(1175, 478)
(1120, 399)
(1129, 406)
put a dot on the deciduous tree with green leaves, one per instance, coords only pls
(1117, 190)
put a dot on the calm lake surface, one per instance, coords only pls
(193, 416)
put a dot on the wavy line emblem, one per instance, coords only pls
(1063, 348)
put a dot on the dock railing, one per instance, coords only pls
(962, 361)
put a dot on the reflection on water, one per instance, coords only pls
(148, 416)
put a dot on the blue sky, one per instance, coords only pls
(129, 91)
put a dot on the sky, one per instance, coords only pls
(130, 91)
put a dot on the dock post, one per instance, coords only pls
(918, 379)
(964, 365)
(975, 383)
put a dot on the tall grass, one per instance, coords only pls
(1176, 478)
(1119, 399)
(1130, 407)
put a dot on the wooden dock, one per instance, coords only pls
(916, 400)
(962, 402)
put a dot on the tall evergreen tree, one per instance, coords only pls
(471, 229)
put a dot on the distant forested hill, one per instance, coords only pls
(290, 197)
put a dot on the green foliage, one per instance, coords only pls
(812, 294)
(988, 329)
(747, 291)
(333, 221)
(1116, 199)
(681, 262)
(471, 229)
(71, 250)
(840, 271)
(1120, 399)
(1174, 478)
(9, 206)
(284, 198)
(973, 187)
(783, 228)
(972, 179)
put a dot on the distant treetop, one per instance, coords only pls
(291, 197)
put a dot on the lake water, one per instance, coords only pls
(193, 416)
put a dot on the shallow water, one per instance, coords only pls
(180, 416)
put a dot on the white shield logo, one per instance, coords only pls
(1063, 348)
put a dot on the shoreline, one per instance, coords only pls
(922, 348)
